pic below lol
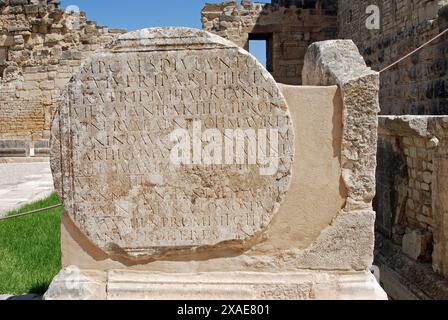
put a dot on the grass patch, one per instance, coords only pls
(30, 254)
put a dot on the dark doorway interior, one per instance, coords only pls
(3, 58)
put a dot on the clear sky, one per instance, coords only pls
(138, 14)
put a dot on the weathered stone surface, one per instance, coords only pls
(307, 231)
(413, 204)
(417, 85)
(406, 125)
(74, 284)
(288, 29)
(323, 63)
(324, 237)
(414, 245)
(316, 230)
(339, 62)
(439, 126)
(128, 285)
(36, 40)
(112, 144)
(351, 236)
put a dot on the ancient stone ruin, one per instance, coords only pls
(411, 229)
(42, 47)
(288, 27)
(153, 215)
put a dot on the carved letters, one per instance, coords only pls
(111, 144)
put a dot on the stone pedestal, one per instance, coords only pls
(187, 172)
(134, 285)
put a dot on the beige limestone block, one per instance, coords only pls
(414, 245)
(339, 62)
(75, 284)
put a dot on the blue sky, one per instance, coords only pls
(138, 14)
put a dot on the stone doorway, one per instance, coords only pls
(266, 40)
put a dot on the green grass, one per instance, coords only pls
(30, 254)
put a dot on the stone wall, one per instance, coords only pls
(419, 85)
(412, 180)
(40, 47)
(411, 176)
(289, 27)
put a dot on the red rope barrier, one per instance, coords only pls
(416, 50)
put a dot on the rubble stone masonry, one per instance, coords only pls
(289, 27)
(412, 221)
(411, 201)
(40, 47)
(418, 85)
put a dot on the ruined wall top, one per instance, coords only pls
(330, 6)
(287, 29)
(41, 45)
(307, 4)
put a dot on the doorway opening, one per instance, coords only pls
(261, 46)
(3, 59)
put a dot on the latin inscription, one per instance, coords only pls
(121, 110)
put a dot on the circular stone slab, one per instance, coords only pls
(169, 139)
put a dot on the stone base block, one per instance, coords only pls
(75, 284)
